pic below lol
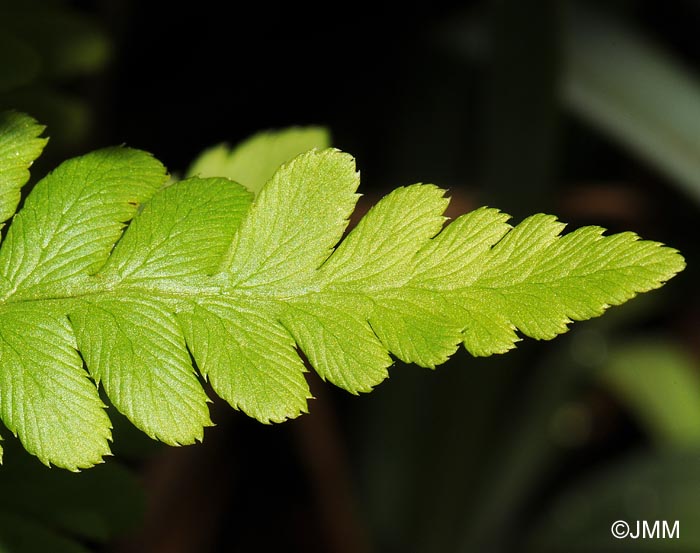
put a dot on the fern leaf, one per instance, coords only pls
(253, 162)
(241, 283)
(20, 145)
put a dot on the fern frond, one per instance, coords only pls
(241, 283)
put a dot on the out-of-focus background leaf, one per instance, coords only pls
(639, 487)
(46, 48)
(660, 384)
(589, 109)
(634, 91)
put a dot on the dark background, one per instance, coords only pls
(476, 455)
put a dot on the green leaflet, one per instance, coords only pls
(183, 231)
(19, 147)
(318, 187)
(240, 284)
(71, 220)
(255, 160)
(45, 395)
(65, 232)
(247, 355)
(133, 346)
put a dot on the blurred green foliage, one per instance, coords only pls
(45, 48)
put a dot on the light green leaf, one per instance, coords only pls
(45, 395)
(134, 348)
(339, 342)
(378, 253)
(183, 231)
(19, 147)
(64, 232)
(370, 264)
(537, 282)
(254, 161)
(318, 187)
(415, 325)
(72, 219)
(246, 288)
(248, 356)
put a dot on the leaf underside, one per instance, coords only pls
(241, 285)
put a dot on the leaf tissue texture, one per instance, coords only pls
(256, 159)
(20, 145)
(109, 277)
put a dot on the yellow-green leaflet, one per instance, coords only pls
(242, 284)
